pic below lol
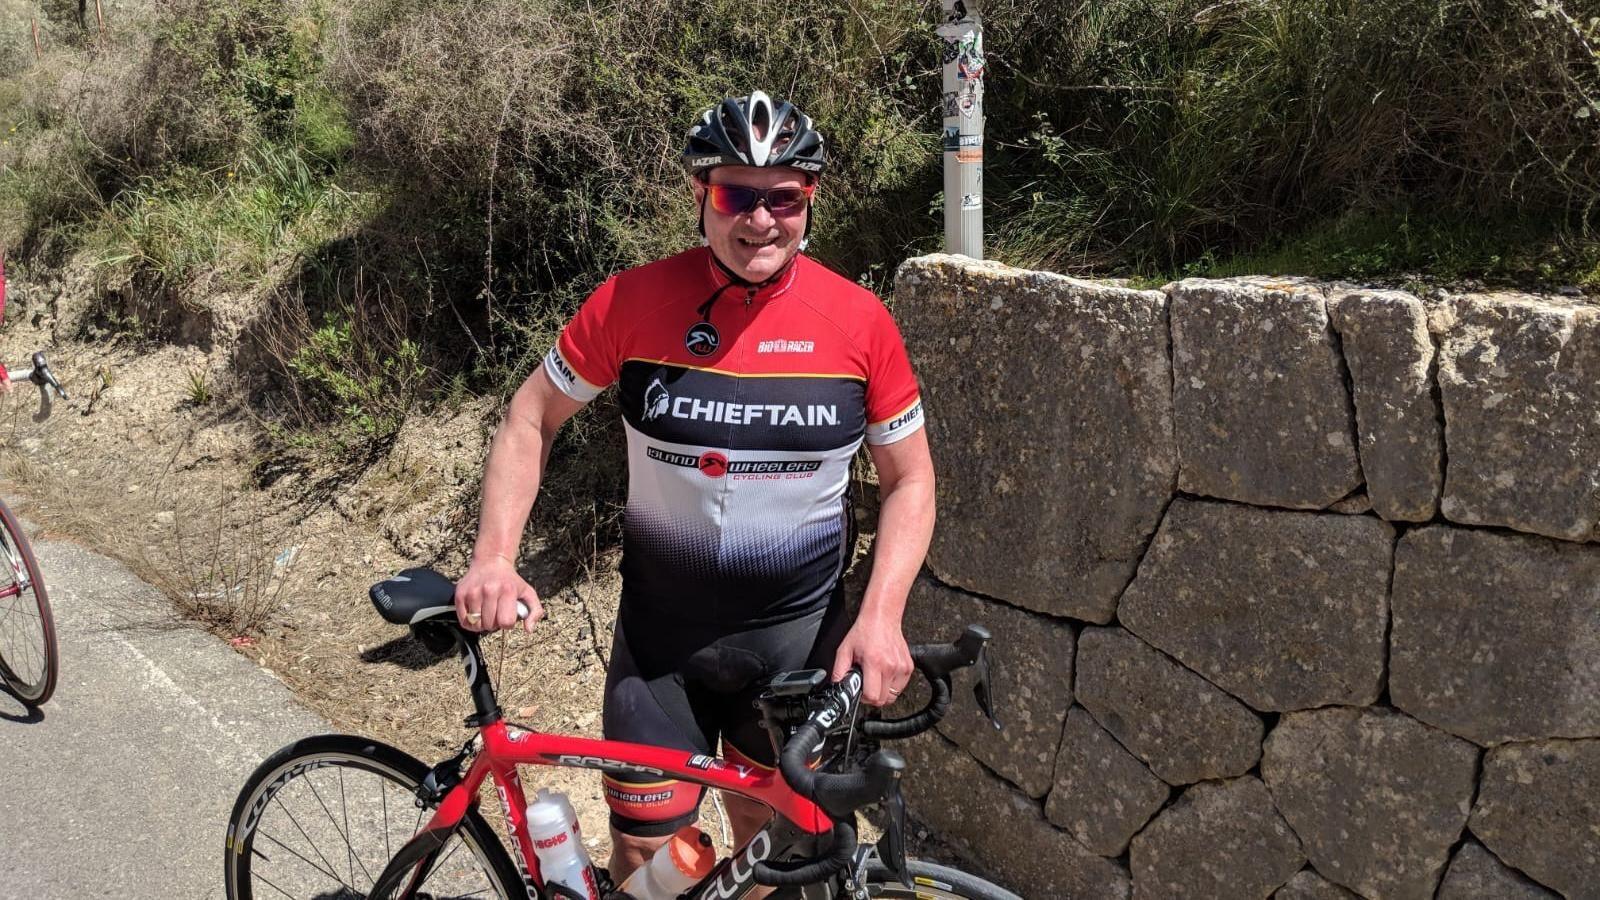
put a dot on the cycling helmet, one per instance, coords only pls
(754, 131)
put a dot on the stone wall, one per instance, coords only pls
(1295, 588)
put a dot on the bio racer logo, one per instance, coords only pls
(714, 464)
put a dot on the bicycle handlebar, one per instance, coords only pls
(38, 372)
(841, 795)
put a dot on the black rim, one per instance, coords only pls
(324, 824)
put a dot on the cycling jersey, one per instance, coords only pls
(743, 407)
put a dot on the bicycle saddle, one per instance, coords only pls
(415, 595)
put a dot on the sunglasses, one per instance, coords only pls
(737, 199)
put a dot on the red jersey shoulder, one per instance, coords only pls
(654, 279)
(853, 309)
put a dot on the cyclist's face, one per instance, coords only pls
(757, 244)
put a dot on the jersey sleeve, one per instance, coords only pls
(586, 357)
(894, 404)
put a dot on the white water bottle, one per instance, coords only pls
(554, 830)
(678, 865)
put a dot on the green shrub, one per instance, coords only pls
(371, 391)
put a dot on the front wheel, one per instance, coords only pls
(27, 632)
(322, 817)
(932, 882)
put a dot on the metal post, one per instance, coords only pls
(962, 31)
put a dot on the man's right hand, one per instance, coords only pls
(486, 597)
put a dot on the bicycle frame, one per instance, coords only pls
(502, 748)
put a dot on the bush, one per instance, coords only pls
(486, 164)
(1164, 130)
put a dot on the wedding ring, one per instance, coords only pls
(474, 617)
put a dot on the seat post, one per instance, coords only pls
(486, 709)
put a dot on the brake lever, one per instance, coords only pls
(981, 690)
(892, 846)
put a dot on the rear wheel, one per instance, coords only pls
(932, 883)
(28, 658)
(322, 818)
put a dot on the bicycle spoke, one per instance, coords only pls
(335, 823)
(309, 840)
(440, 864)
(280, 890)
(350, 850)
(383, 797)
(295, 853)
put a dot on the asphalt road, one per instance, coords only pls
(121, 785)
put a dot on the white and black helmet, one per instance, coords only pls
(754, 131)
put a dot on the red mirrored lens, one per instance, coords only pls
(732, 199)
(736, 199)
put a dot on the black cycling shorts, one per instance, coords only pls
(678, 685)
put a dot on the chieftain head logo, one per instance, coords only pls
(656, 399)
(702, 339)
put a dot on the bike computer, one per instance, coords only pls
(795, 684)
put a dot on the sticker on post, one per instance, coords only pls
(969, 155)
(952, 139)
(971, 93)
(969, 56)
(971, 201)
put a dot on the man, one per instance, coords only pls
(747, 375)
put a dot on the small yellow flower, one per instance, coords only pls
(230, 174)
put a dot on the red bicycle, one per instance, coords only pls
(28, 656)
(337, 816)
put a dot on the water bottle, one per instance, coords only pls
(678, 865)
(553, 828)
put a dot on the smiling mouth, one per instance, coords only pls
(757, 245)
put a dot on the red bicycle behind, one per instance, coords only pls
(355, 835)
(29, 658)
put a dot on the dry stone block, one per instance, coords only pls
(1046, 396)
(1496, 637)
(1000, 827)
(1539, 811)
(1030, 667)
(1284, 610)
(1182, 726)
(1376, 797)
(1103, 794)
(1520, 381)
(1390, 355)
(1475, 874)
(1220, 839)
(1261, 411)
(1308, 885)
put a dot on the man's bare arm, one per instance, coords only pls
(905, 527)
(487, 596)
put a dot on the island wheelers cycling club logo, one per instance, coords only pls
(715, 464)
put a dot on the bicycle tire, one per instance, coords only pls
(932, 882)
(29, 657)
(299, 767)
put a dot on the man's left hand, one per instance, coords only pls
(878, 648)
